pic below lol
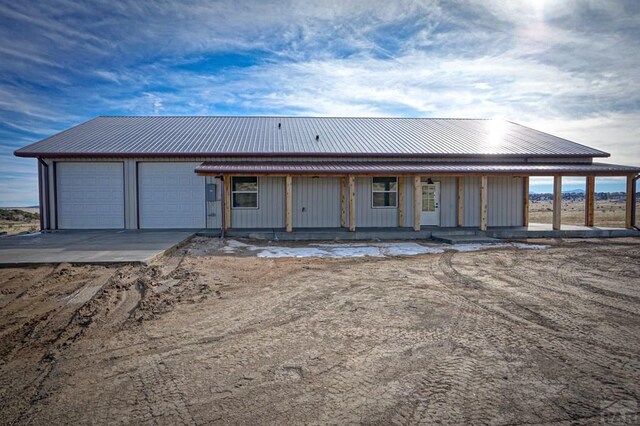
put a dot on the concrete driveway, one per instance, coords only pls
(107, 246)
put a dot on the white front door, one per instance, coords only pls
(430, 204)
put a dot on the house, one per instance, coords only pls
(293, 173)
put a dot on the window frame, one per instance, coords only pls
(257, 192)
(373, 191)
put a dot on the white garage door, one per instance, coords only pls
(171, 196)
(90, 195)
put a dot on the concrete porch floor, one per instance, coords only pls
(534, 230)
(96, 247)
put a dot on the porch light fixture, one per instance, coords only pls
(429, 181)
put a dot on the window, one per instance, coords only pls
(384, 192)
(244, 192)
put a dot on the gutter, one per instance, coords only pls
(44, 195)
(634, 212)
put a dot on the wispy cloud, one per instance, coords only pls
(568, 68)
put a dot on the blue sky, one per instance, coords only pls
(569, 68)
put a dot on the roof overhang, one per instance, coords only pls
(412, 167)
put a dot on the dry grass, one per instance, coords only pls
(11, 226)
(608, 213)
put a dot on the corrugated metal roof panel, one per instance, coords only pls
(396, 167)
(220, 136)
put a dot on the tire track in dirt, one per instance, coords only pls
(557, 346)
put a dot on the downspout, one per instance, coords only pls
(222, 206)
(634, 212)
(44, 195)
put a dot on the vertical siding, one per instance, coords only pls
(214, 208)
(270, 211)
(408, 201)
(367, 216)
(471, 201)
(130, 194)
(316, 202)
(52, 194)
(505, 201)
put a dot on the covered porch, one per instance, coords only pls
(409, 192)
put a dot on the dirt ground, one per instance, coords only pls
(607, 213)
(502, 336)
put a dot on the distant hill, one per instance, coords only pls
(574, 191)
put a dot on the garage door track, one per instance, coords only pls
(96, 247)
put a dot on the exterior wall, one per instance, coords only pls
(471, 202)
(366, 215)
(505, 201)
(130, 194)
(214, 208)
(316, 202)
(505, 204)
(270, 211)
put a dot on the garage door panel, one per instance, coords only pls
(171, 195)
(90, 195)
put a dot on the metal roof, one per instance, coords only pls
(302, 136)
(408, 167)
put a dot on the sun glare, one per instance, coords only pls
(496, 129)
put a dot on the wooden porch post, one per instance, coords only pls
(227, 202)
(525, 204)
(352, 203)
(343, 202)
(288, 205)
(590, 201)
(557, 202)
(483, 203)
(417, 202)
(628, 217)
(400, 202)
(460, 214)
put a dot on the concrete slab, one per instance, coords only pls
(95, 247)
(464, 239)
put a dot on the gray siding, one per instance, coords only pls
(505, 201)
(448, 200)
(471, 202)
(214, 208)
(408, 201)
(130, 194)
(321, 200)
(270, 211)
(316, 202)
(367, 216)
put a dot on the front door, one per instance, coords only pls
(430, 204)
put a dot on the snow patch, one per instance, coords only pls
(337, 250)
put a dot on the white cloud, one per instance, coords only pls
(567, 68)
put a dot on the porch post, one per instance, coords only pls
(483, 203)
(400, 202)
(557, 202)
(590, 201)
(628, 217)
(343, 202)
(460, 214)
(417, 202)
(288, 205)
(352, 203)
(525, 204)
(227, 202)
